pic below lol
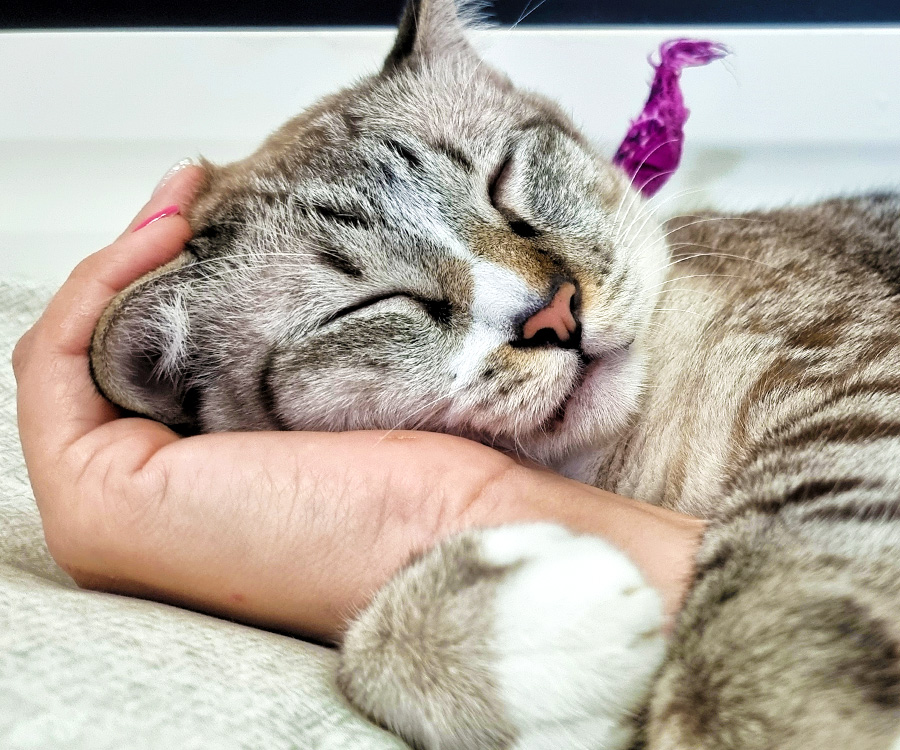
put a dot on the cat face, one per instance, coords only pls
(380, 261)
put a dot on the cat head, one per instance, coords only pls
(432, 248)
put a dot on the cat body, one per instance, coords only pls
(776, 317)
(377, 264)
(777, 423)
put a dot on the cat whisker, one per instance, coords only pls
(516, 443)
(504, 34)
(239, 256)
(707, 318)
(271, 259)
(647, 212)
(688, 290)
(443, 397)
(712, 255)
(710, 219)
(654, 209)
(635, 193)
(209, 275)
(695, 276)
(699, 220)
(525, 13)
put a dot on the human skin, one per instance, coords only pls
(287, 530)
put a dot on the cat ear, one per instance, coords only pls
(430, 29)
(139, 351)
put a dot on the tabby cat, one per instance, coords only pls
(436, 249)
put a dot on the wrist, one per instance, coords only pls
(662, 543)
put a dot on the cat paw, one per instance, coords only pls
(526, 636)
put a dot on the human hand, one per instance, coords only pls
(288, 530)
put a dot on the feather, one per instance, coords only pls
(651, 150)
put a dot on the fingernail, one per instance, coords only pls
(171, 173)
(167, 211)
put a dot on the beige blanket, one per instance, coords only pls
(85, 670)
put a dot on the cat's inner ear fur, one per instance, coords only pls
(431, 29)
(140, 348)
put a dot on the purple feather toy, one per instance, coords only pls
(651, 151)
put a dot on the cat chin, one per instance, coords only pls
(595, 414)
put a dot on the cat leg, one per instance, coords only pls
(784, 643)
(524, 636)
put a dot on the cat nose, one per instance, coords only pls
(556, 322)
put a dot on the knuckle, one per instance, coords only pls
(20, 353)
(88, 269)
(63, 542)
(74, 520)
(81, 273)
(77, 542)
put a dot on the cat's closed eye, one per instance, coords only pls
(441, 311)
(498, 188)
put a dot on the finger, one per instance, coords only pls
(73, 312)
(177, 188)
(171, 190)
(57, 399)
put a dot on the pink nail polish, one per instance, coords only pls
(167, 211)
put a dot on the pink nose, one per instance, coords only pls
(556, 316)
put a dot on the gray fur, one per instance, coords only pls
(437, 659)
(752, 379)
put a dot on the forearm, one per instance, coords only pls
(331, 531)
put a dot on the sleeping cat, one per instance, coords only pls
(436, 249)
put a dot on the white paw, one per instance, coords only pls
(578, 633)
(523, 637)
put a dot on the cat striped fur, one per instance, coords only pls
(789, 637)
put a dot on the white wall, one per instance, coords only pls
(90, 120)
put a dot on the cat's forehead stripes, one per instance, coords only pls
(339, 260)
(413, 151)
(455, 154)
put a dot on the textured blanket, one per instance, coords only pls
(80, 669)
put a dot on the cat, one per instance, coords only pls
(434, 248)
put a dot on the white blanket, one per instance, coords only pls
(80, 669)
